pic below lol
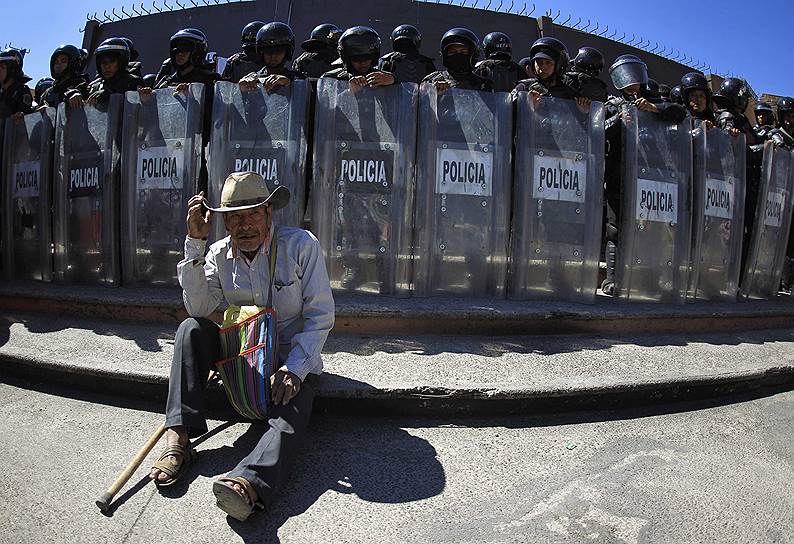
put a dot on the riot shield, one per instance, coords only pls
(558, 193)
(718, 218)
(656, 224)
(263, 132)
(769, 236)
(463, 193)
(86, 180)
(362, 199)
(27, 187)
(161, 160)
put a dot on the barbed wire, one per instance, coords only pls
(140, 9)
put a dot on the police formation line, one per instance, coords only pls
(488, 178)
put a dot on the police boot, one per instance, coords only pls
(352, 276)
(611, 255)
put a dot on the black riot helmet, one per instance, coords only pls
(13, 59)
(765, 108)
(74, 66)
(732, 94)
(677, 94)
(131, 46)
(628, 70)
(406, 39)
(664, 91)
(359, 41)
(551, 49)
(653, 88)
(248, 36)
(192, 40)
(497, 45)
(115, 48)
(149, 80)
(461, 36)
(784, 105)
(694, 81)
(324, 36)
(42, 85)
(274, 35)
(589, 60)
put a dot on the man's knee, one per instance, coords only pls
(193, 325)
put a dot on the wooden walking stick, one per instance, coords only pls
(104, 501)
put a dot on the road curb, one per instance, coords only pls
(422, 402)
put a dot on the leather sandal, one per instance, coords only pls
(230, 501)
(174, 472)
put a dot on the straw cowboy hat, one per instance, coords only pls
(246, 190)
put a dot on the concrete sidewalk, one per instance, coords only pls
(427, 374)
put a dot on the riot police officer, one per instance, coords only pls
(248, 60)
(112, 65)
(320, 51)
(697, 97)
(526, 66)
(549, 63)
(586, 68)
(134, 66)
(785, 122)
(459, 53)
(359, 49)
(765, 120)
(41, 85)
(498, 65)
(629, 75)
(187, 62)
(275, 44)
(15, 96)
(677, 95)
(67, 65)
(405, 61)
(732, 99)
(664, 92)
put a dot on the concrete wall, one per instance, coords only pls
(222, 24)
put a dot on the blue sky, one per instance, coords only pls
(726, 34)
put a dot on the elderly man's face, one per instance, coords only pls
(248, 228)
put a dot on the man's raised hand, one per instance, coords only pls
(199, 219)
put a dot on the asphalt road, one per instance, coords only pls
(685, 473)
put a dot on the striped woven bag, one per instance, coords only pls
(249, 353)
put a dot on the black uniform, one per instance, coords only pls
(282, 70)
(406, 67)
(63, 89)
(560, 89)
(470, 80)
(16, 98)
(315, 64)
(100, 89)
(240, 65)
(503, 73)
(587, 85)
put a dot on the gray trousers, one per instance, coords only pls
(196, 347)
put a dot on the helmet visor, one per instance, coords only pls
(630, 73)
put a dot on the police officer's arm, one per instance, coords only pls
(380, 79)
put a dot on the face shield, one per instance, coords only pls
(629, 73)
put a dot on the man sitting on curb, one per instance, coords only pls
(236, 270)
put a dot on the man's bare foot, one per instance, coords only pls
(175, 435)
